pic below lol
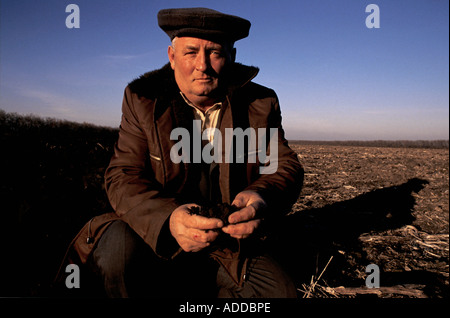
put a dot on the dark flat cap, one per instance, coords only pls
(203, 23)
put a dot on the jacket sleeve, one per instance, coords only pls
(132, 189)
(280, 187)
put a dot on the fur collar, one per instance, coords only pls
(161, 83)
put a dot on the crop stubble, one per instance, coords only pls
(336, 174)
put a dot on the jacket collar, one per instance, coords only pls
(239, 75)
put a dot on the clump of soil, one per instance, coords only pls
(220, 211)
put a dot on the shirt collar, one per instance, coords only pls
(213, 107)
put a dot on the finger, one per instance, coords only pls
(192, 241)
(202, 236)
(192, 246)
(245, 214)
(241, 230)
(236, 233)
(240, 201)
(202, 223)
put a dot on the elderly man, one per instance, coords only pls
(154, 245)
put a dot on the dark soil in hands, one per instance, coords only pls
(220, 211)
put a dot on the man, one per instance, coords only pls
(155, 245)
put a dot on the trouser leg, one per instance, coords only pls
(264, 279)
(114, 258)
(128, 267)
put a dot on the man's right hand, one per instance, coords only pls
(193, 232)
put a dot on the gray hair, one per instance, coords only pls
(173, 42)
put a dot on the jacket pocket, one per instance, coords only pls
(154, 157)
(157, 167)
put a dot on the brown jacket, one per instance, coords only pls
(144, 186)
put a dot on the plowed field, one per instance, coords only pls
(369, 205)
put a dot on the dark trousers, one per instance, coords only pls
(128, 267)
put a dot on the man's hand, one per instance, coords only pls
(193, 232)
(251, 205)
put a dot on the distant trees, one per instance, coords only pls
(434, 144)
(13, 123)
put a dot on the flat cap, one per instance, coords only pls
(202, 23)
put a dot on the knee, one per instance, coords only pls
(122, 259)
(114, 250)
(270, 280)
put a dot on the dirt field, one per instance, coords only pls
(368, 205)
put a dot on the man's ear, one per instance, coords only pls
(171, 55)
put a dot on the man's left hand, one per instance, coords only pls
(244, 222)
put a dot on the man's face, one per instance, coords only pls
(197, 65)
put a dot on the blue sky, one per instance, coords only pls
(336, 79)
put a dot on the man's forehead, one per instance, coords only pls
(197, 42)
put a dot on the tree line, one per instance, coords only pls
(13, 123)
(430, 144)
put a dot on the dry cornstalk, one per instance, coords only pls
(310, 289)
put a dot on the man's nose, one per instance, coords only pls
(201, 63)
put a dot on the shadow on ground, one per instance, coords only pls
(304, 242)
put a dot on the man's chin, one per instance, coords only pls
(206, 93)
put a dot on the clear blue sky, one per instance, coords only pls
(336, 79)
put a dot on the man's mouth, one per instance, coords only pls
(204, 80)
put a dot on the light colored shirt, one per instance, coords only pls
(209, 119)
